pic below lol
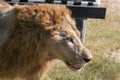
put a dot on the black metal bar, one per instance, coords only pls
(64, 1)
(88, 11)
(49, 1)
(77, 2)
(23, 0)
(81, 26)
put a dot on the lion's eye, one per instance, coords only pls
(70, 40)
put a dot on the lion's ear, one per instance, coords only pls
(43, 18)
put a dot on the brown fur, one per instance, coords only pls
(26, 53)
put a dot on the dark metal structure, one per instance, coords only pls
(81, 10)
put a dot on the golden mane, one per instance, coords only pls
(27, 41)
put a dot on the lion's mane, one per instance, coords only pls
(22, 53)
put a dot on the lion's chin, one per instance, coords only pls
(75, 68)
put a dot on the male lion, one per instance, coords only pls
(32, 36)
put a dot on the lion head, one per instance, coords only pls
(38, 34)
(63, 41)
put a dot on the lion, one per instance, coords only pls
(33, 36)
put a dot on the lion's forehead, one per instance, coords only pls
(72, 31)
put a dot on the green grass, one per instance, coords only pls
(102, 38)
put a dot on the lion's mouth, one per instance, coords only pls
(74, 66)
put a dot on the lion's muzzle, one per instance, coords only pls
(80, 60)
(86, 55)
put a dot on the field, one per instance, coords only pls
(102, 38)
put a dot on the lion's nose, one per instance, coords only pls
(86, 55)
(86, 59)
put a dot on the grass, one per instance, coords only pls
(102, 38)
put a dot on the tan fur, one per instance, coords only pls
(4, 7)
(37, 38)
